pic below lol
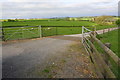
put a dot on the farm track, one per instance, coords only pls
(58, 56)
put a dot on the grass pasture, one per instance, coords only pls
(105, 27)
(50, 27)
(49, 31)
(111, 37)
(11, 33)
(46, 23)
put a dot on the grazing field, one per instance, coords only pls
(105, 27)
(50, 27)
(111, 37)
(47, 23)
(13, 33)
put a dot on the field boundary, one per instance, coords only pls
(42, 31)
(18, 33)
(101, 60)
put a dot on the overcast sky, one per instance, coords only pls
(57, 8)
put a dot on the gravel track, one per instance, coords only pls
(19, 58)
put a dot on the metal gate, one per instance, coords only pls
(15, 33)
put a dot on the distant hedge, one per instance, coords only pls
(118, 22)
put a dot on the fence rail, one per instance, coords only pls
(101, 60)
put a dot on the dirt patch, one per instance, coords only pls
(19, 40)
(76, 64)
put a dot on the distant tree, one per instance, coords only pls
(67, 18)
(118, 22)
(10, 20)
(103, 20)
(16, 19)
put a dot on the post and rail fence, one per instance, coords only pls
(105, 61)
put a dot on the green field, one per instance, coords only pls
(47, 23)
(34, 32)
(105, 27)
(50, 27)
(111, 37)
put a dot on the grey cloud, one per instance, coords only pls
(50, 9)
